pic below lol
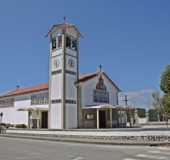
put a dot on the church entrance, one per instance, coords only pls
(102, 119)
(44, 119)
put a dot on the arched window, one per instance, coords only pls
(100, 94)
(53, 41)
(100, 85)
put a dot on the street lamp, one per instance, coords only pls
(1, 115)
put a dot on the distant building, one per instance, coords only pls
(69, 100)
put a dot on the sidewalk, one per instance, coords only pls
(95, 133)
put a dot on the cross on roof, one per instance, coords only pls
(100, 67)
(64, 18)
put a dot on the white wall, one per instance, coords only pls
(71, 116)
(13, 116)
(71, 91)
(56, 116)
(56, 86)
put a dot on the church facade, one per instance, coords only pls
(69, 100)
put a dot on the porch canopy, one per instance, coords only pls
(101, 106)
(34, 116)
(35, 108)
(107, 107)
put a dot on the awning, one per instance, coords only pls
(109, 106)
(35, 108)
(102, 106)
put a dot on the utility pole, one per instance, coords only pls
(125, 100)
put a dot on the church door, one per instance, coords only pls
(102, 119)
(44, 119)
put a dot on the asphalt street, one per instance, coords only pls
(23, 149)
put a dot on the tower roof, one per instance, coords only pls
(64, 26)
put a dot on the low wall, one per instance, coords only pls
(108, 137)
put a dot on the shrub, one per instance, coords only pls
(141, 112)
(7, 125)
(153, 115)
(21, 126)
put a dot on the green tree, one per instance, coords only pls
(165, 87)
(166, 104)
(165, 80)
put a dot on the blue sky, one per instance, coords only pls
(131, 39)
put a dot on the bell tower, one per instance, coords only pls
(63, 73)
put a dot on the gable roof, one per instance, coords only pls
(45, 86)
(89, 76)
(111, 81)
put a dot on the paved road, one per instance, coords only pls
(21, 149)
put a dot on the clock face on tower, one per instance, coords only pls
(71, 63)
(57, 63)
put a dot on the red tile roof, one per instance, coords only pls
(26, 90)
(41, 87)
(87, 76)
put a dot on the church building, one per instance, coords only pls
(69, 99)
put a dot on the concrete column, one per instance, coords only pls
(31, 123)
(110, 118)
(38, 119)
(98, 119)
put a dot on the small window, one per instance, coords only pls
(53, 41)
(7, 102)
(89, 116)
(38, 99)
(71, 63)
(59, 41)
(68, 42)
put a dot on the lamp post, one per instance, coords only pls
(124, 98)
(1, 115)
(1, 127)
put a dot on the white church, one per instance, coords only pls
(70, 99)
